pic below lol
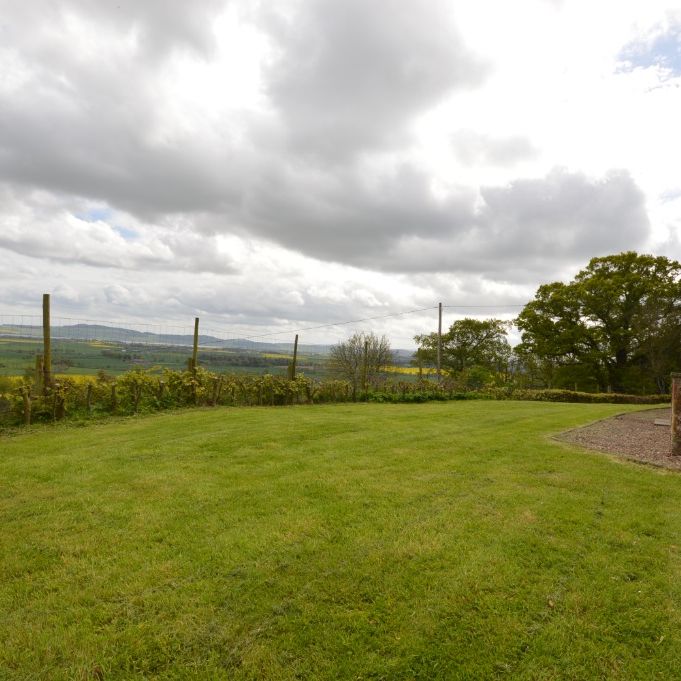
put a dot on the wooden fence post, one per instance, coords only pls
(195, 361)
(59, 403)
(365, 368)
(39, 368)
(676, 414)
(217, 389)
(195, 352)
(26, 396)
(295, 359)
(47, 345)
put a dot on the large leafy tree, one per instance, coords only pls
(620, 318)
(468, 343)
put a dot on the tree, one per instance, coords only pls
(530, 371)
(619, 319)
(359, 359)
(469, 343)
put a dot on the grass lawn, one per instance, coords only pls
(436, 541)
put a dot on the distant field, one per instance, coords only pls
(76, 357)
(410, 371)
(437, 541)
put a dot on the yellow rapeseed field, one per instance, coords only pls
(411, 371)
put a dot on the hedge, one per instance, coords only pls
(142, 391)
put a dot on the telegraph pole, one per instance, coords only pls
(439, 341)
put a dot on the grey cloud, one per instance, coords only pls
(95, 138)
(345, 216)
(327, 212)
(474, 148)
(92, 125)
(351, 75)
(531, 226)
(566, 213)
(158, 26)
(396, 224)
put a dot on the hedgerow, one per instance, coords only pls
(552, 395)
(145, 391)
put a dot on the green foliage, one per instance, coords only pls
(552, 395)
(332, 391)
(477, 346)
(145, 391)
(419, 396)
(617, 324)
(137, 391)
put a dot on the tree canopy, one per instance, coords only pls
(619, 320)
(468, 343)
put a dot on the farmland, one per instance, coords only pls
(87, 357)
(438, 541)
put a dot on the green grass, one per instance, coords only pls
(437, 541)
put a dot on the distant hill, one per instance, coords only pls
(116, 334)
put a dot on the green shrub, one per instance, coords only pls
(141, 391)
(550, 395)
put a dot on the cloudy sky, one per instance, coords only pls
(269, 166)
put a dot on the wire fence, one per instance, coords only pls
(81, 345)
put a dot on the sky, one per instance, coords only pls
(274, 166)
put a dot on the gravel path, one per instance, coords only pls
(632, 436)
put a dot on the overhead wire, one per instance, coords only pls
(155, 330)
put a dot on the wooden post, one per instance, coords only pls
(136, 396)
(295, 358)
(195, 353)
(217, 389)
(47, 345)
(88, 398)
(439, 341)
(59, 403)
(39, 367)
(365, 367)
(676, 414)
(26, 396)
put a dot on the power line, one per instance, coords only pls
(326, 326)
(367, 319)
(226, 336)
(475, 307)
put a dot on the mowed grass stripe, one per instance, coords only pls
(347, 541)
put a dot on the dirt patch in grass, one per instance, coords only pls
(632, 436)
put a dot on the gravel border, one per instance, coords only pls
(632, 436)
